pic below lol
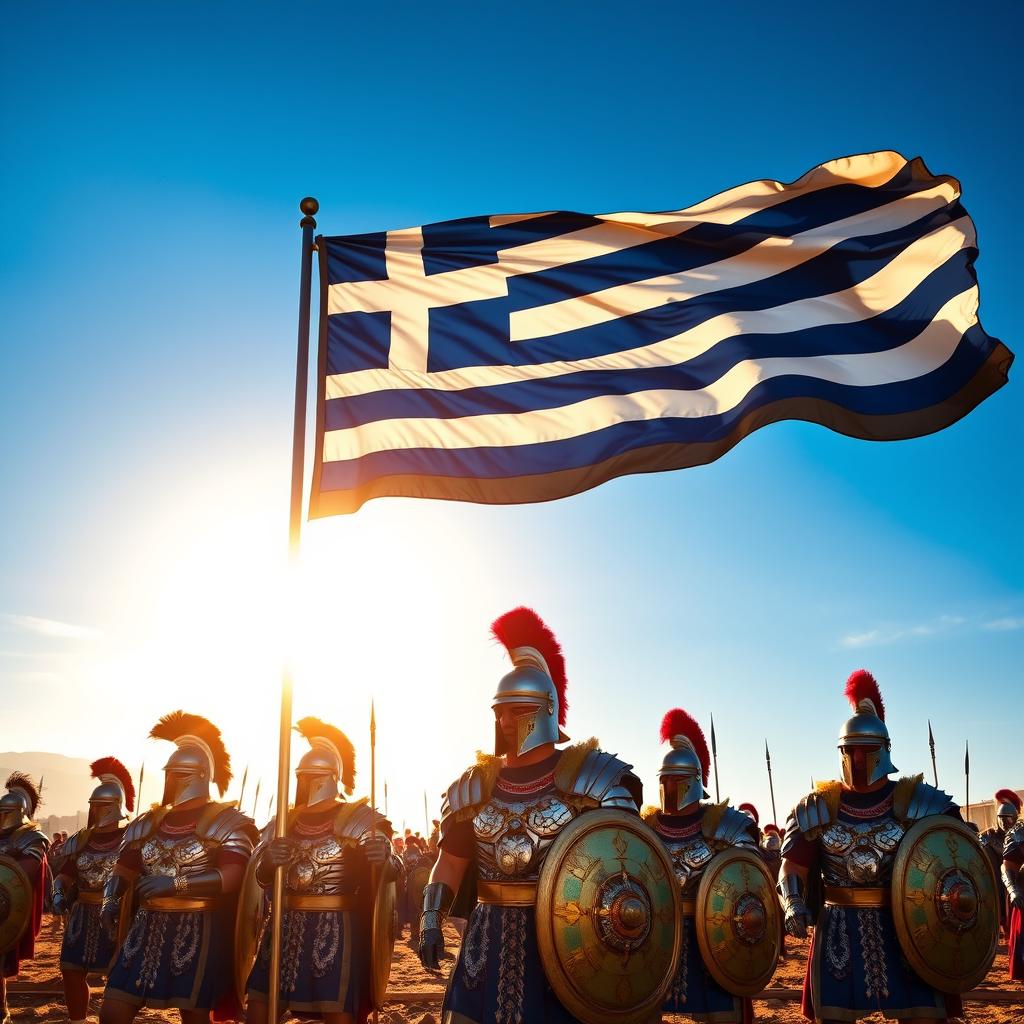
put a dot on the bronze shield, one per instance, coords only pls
(382, 941)
(248, 928)
(945, 903)
(738, 922)
(608, 918)
(15, 903)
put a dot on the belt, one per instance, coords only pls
(507, 894)
(689, 908)
(298, 901)
(91, 899)
(844, 896)
(178, 904)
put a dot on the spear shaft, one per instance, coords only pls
(256, 798)
(426, 816)
(714, 757)
(373, 805)
(967, 779)
(142, 776)
(931, 744)
(771, 786)
(241, 792)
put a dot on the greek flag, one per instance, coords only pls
(526, 357)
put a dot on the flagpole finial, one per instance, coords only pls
(309, 207)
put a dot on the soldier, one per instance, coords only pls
(90, 856)
(771, 854)
(1013, 880)
(844, 836)
(751, 812)
(328, 854)
(1008, 806)
(498, 822)
(186, 860)
(693, 832)
(25, 844)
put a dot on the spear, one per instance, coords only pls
(931, 743)
(270, 805)
(714, 755)
(426, 815)
(142, 776)
(373, 804)
(241, 792)
(771, 787)
(385, 798)
(967, 778)
(256, 798)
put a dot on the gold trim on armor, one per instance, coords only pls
(848, 896)
(507, 894)
(178, 904)
(305, 901)
(90, 899)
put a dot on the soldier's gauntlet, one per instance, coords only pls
(1014, 888)
(115, 888)
(437, 901)
(62, 895)
(203, 883)
(798, 917)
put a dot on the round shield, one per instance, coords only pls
(382, 942)
(738, 922)
(415, 883)
(248, 928)
(607, 918)
(945, 904)
(15, 903)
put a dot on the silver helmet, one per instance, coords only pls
(19, 803)
(684, 769)
(866, 728)
(199, 758)
(772, 840)
(113, 795)
(1008, 808)
(329, 761)
(537, 681)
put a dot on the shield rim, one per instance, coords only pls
(247, 939)
(384, 902)
(941, 982)
(563, 988)
(730, 984)
(19, 872)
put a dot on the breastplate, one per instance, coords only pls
(175, 855)
(689, 856)
(95, 867)
(860, 853)
(317, 868)
(513, 835)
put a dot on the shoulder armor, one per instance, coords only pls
(597, 779)
(991, 838)
(227, 826)
(356, 820)
(142, 827)
(1014, 842)
(29, 841)
(915, 799)
(734, 828)
(472, 788)
(75, 844)
(814, 812)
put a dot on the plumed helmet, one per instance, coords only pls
(684, 769)
(1008, 805)
(330, 760)
(19, 803)
(114, 793)
(866, 728)
(751, 811)
(772, 837)
(537, 679)
(199, 758)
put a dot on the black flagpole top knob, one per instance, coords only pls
(309, 206)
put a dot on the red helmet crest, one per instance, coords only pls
(111, 766)
(523, 627)
(678, 723)
(1008, 796)
(752, 811)
(862, 686)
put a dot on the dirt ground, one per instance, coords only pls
(416, 993)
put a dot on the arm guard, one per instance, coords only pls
(63, 895)
(437, 901)
(1012, 881)
(116, 887)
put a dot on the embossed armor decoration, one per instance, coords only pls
(738, 922)
(15, 903)
(607, 907)
(945, 904)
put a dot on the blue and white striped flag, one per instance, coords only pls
(528, 357)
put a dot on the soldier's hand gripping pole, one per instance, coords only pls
(437, 901)
(798, 917)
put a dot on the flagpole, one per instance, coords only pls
(373, 808)
(309, 208)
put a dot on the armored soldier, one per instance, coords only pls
(771, 854)
(1008, 806)
(1012, 874)
(840, 844)
(327, 855)
(693, 831)
(186, 860)
(89, 859)
(751, 812)
(498, 821)
(24, 846)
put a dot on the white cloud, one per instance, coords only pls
(49, 627)
(894, 633)
(1005, 625)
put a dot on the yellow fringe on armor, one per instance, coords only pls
(903, 794)
(831, 790)
(713, 814)
(649, 814)
(571, 761)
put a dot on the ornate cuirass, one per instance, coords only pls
(95, 867)
(514, 831)
(690, 853)
(860, 852)
(317, 868)
(174, 855)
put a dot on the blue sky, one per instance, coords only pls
(153, 158)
